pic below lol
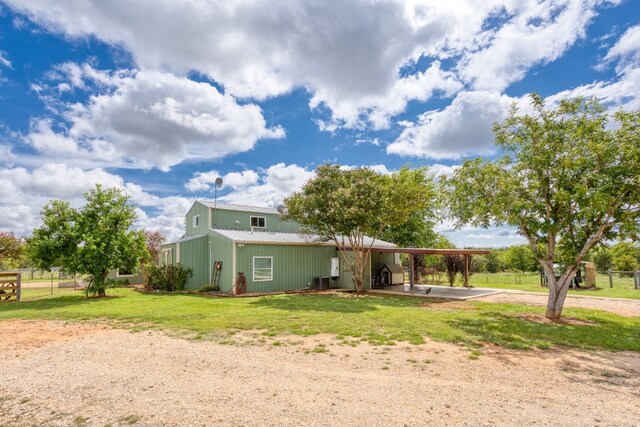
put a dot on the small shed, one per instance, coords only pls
(391, 274)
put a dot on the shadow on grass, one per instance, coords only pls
(54, 303)
(347, 303)
(511, 331)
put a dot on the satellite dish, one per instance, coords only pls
(282, 209)
(218, 182)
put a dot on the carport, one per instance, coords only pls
(465, 253)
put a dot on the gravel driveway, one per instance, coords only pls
(72, 374)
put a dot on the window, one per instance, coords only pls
(262, 268)
(258, 221)
(167, 257)
(195, 221)
(124, 272)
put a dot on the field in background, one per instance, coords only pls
(530, 282)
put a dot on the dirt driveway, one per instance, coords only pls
(57, 374)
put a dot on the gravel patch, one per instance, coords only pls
(70, 374)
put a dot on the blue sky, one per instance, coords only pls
(162, 97)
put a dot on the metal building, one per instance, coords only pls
(221, 241)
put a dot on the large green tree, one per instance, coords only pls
(567, 179)
(11, 250)
(91, 240)
(349, 205)
(521, 259)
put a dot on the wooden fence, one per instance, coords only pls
(635, 273)
(10, 286)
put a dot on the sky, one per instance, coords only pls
(161, 97)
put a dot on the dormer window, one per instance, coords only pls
(258, 222)
(195, 221)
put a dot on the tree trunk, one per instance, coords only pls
(102, 292)
(558, 290)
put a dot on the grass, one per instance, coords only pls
(530, 282)
(377, 320)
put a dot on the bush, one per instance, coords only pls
(210, 288)
(169, 278)
(116, 283)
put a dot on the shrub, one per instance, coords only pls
(169, 278)
(116, 283)
(210, 288)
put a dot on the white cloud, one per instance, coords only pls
(275, 183)
(148, 119)
(378, 109)
(464, 127)
(623, 93)
(627, 48)
(3, 59)
(439, 170)
(536, 33)
(204, 181)
(355, 58)
(28, 191)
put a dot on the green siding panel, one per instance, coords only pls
(222, 250)
(198, 209)
(294, 267)
(222, 218)
(195, 255)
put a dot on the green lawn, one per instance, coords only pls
(622, 286)
(378, 320)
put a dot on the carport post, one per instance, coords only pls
(411, 279)
(466, 271)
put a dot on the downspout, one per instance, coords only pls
(233, 265)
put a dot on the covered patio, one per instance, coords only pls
(437, 291)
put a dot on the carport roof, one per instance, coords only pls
(430, 251)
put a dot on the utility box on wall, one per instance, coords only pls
(335, 267)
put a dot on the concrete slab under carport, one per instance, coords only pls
(443, 292)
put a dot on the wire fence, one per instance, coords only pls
(40, 284)
(624, 276)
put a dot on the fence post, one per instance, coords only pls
(636, 279)
(19, 285)
(610, 279)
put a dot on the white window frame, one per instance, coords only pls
(166, 254)
(123, 275)
(270, 279)
(195, 221)
(258, 218)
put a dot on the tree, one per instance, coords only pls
(602, 258)
(11, 250)
(567, 179)
(91, 240)
(153, 240)
(453, 264)
(625, 256)
(521, 259)
(494, 264)
(416, 232)
(346, 205)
